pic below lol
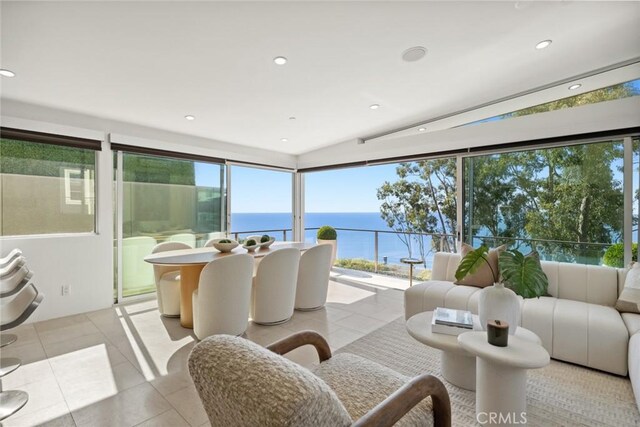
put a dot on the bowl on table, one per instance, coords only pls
(225, 245)
(268, 243)
(250, 245)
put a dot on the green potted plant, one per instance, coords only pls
(516, 274)
(327, 235)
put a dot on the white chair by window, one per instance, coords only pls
(274, 287)
(313, 278)
(221, 302)
(186, 238)
(168, 281)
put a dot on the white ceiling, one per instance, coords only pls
(153, 63)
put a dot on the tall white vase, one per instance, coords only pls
(499, 303)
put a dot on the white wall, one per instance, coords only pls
(618, 114)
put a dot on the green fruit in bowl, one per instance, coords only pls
(250, 242)
(224, 241)
(265, 238)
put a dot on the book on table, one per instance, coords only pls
(451, 322)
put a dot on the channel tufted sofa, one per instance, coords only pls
(577, 323)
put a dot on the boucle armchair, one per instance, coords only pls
(243, 384)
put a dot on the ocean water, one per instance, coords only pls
(351, 244)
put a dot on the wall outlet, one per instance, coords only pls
(65, 290)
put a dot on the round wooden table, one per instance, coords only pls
(192, 261)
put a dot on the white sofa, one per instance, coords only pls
(577, 323)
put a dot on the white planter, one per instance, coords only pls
(499, 303)
(334, 248)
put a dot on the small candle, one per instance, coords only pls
(498, 333)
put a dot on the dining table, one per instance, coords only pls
(192, 261)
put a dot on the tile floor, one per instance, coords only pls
(126, 365)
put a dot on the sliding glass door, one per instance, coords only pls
(165, 199)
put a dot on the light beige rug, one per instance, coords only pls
(560, 394)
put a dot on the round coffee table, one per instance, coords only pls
(502, 375)
(458, 366)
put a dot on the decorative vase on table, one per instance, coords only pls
(499, 303)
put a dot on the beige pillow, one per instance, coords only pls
(483, 277)
(629, 299)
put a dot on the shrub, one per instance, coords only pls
(614, 255)
(250, 242)
(265, 238)
(327, 232)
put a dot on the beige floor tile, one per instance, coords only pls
(26, 334)
(82, 347)
(53, 416)
(66, 333)
(270, 336)
(171, 418)
(342, 337)
(172, 382)
(188, 404)
(360, 323)
(96, 383)
(127, 408)
(28, 353)
(42, 394)
(61, 322)
(345, 294)
(306, 356)
(28, 373)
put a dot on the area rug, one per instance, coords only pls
(560, 394)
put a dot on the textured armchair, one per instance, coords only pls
(243, 384)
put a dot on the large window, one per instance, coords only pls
(384, 213)
(565, 202)
(46, 188)
(166, 199)
(261, 201)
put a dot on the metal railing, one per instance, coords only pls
(441, 238)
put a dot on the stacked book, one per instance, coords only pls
(451, 322)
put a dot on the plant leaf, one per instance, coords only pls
(523, 274)
(471, 262)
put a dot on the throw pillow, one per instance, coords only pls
(629, 299)
(483, 276)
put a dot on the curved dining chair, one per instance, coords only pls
(13, 283)
(313, 278)
(167, 279)
(186, 238)
(18, 309)
(221, 302)
(274, 287)
(4, 261)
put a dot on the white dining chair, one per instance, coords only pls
(186, 238)
(274, 287)
(6, 260)
(313, 278)
(17, 309)
(221, 302)
(167, 278)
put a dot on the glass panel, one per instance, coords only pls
(46, 189)
(166, 200)
(385, 213)
(619, 91)
(566, 202)
(261, 202)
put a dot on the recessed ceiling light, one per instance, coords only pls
(415, 53)
(422, 129)
(575, 86)
(374, 106)
(543, 44)
(190, 117)
(284, 140)
(292, 118)
(7, 73)
(280, 60)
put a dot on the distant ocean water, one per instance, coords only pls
(351, 244)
